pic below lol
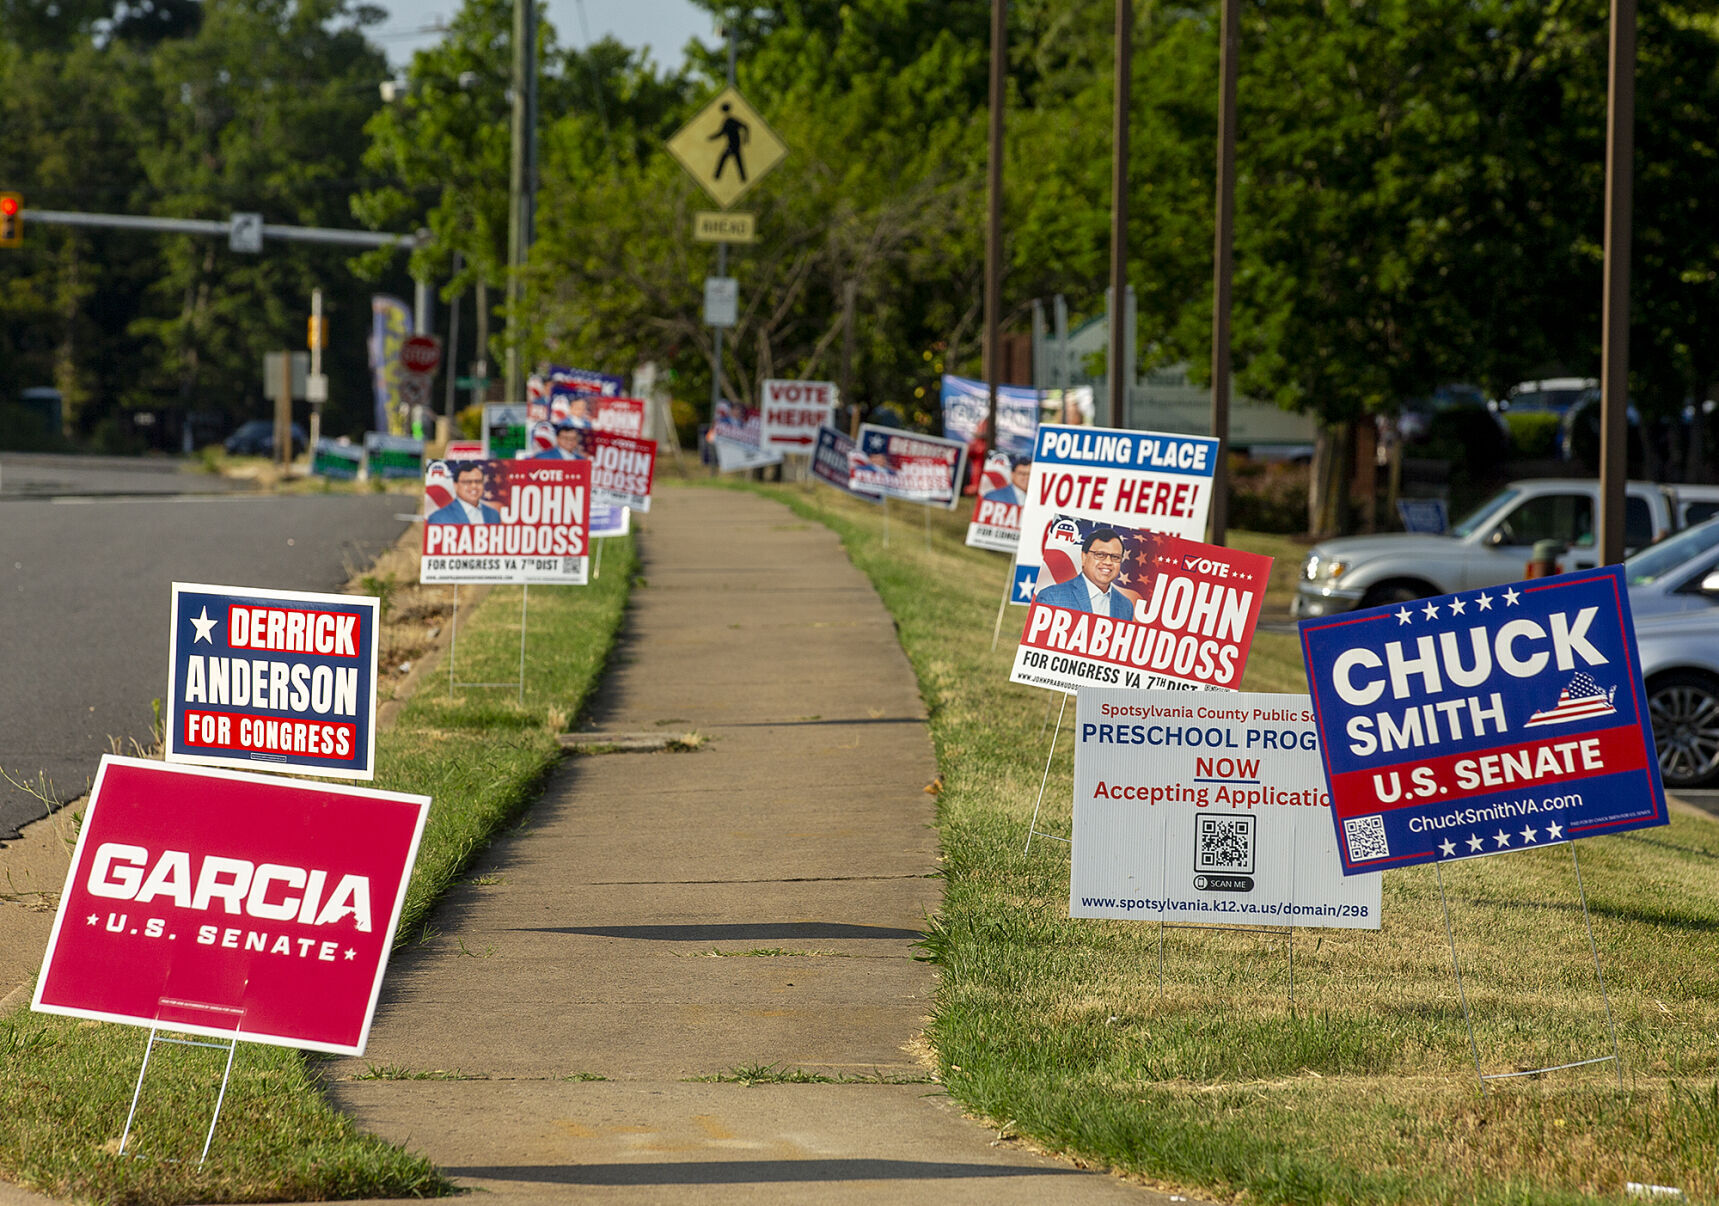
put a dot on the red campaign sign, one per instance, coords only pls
(996, 522)
(1124, 607)
(584, 408)
(231, 905)
(622, 469)
(421, 354)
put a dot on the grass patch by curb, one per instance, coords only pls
(481, 754)
(1363, 1088)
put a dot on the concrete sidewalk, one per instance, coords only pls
(663, 918)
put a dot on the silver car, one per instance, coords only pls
(1674, 596)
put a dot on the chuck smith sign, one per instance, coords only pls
(1483, 722)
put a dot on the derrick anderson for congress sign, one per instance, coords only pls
(272, 680)
(231, 905)
(1483, 722)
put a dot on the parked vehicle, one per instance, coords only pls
(1674, 597)
(257, 438)
(1489, 547)
(1551, 395)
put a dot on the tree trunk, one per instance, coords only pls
(1328, 483)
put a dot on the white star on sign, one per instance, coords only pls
(1457, 606)
(203, 624)
(351, 954)
(1485, 602)
(1431, 610)
(1554, 831)
(1403, 616)
(1529, 833)
(1502, 838)
(92, 919)
(1510, 597)
(1447, 848)
(1024, 589)
(1475, 842)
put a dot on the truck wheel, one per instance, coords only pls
(1684, 709)
(1395, 592)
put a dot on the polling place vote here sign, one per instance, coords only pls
(1482, 722)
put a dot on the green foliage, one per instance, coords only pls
(1533, 436)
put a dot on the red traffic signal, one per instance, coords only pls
(11, 219)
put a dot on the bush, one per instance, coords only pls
(1268, 496)
(1533, 436)
(1467, 436)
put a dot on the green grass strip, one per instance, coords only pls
(481, 754)
(1363, 1088)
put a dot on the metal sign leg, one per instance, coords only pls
(1032, 826)
(453, 638)
(1598, 974)
(886, 521)
(220, 1098)
(524, 606)
(1473, 1047)
(928, 527)
(1008, 590)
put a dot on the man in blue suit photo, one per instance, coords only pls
(1100, 562)
(468, 505)
(1015, 493)
(569, 444)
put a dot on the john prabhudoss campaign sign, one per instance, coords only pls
(1126, 608)
(1485, 721)
(507, 521)
(231, 905)
(1206, 808)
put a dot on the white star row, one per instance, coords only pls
(95, 919)
(204, 626)
(1458, 606)
(1501, 839)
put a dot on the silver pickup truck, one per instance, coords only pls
(1490, 546)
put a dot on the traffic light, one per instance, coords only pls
(317, 334)
(11, 219)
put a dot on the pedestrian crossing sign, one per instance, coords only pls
(727, 148)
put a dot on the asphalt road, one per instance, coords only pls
(89, 549)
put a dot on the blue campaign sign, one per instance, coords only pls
(1423, 515)
(967, 404)
(1486, 721)
(273, 680)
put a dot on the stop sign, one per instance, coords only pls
(421, 353)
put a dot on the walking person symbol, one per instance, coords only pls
(737, 133)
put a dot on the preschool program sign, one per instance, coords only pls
(1206, 809)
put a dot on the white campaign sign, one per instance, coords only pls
(1138, 479)
(1207, 809)
(793, 411)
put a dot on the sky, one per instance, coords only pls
(663, 25)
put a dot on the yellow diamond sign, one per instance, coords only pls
(728, 148)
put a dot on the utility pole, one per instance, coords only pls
(1119, 214)
(1614, 325)
(451, 361)
(316, 385)
(518, 210)
(721, 266)
(994, 218)
(1223, 241)
(849, 289)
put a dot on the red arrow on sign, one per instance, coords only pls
(801, 440)
(421, 353)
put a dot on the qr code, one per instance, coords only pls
(1224, 844)
(1366, 837)
(570, 565)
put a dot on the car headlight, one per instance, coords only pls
(1321, 569)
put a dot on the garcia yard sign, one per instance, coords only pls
(231, 905)
(1484, 721)
(1206, 809)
